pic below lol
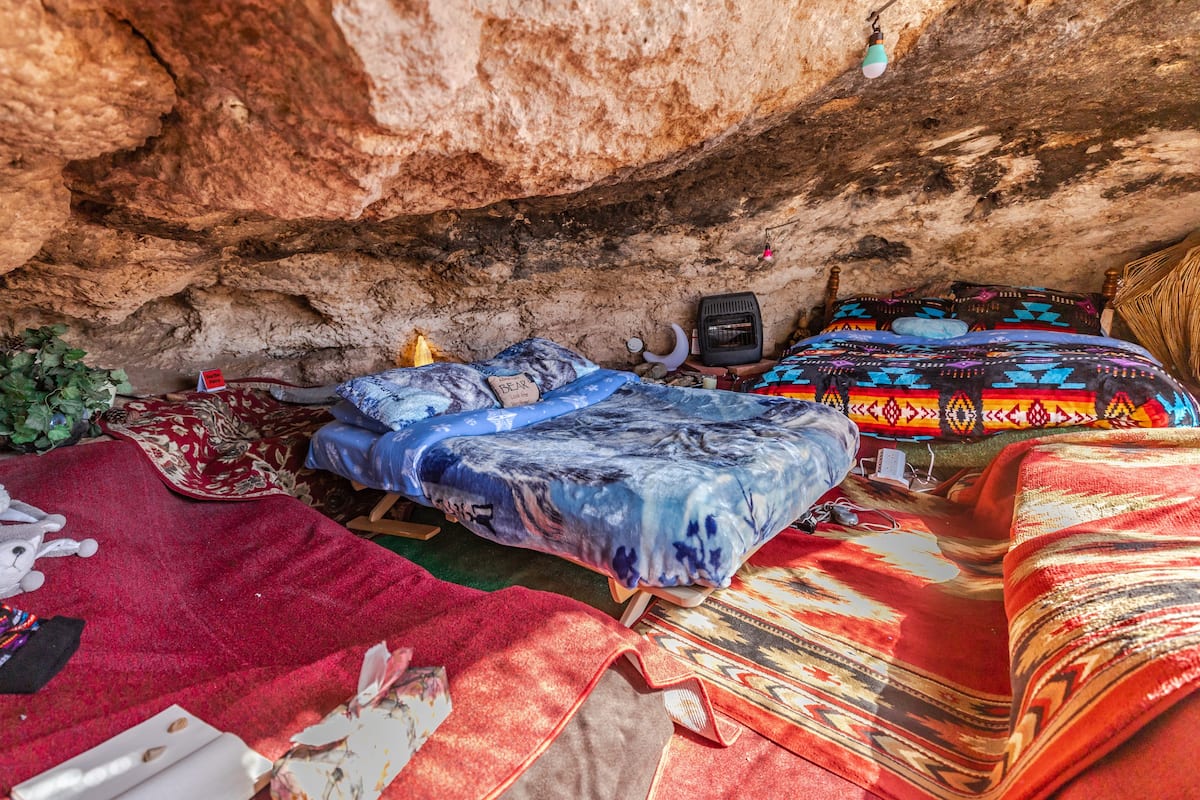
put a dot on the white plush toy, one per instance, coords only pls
(23, 529)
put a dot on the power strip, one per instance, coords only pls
(889, 468)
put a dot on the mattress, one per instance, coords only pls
(651, 485)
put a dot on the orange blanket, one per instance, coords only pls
(992, 649)
(1101, 590)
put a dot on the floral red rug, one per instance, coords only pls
(236, 444)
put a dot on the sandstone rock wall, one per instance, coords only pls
(74, 84)
(298, 191)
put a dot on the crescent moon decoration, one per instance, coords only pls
(676, 357)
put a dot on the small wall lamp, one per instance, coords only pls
(876, 60)
(768, 254)
(422, 355)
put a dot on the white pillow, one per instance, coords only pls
(929, 328)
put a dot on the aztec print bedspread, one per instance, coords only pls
(982, 383)
(652, 485)
(992, 647)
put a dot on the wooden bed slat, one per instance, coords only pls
(383, 506)
(375, 522)
(393, 527)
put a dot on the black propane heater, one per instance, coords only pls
(730, 329)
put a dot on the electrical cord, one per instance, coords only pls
(843, 512)
(917, 481)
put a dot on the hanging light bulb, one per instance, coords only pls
(767, 254)
(875, 61)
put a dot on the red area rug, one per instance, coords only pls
(255, 617)
(889, 658)
(236, 444)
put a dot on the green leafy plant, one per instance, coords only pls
(48, 396)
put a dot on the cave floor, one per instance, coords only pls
(459, 556)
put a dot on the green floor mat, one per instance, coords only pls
(459, 556)
(969, 454)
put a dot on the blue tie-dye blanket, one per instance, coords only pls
(652, 485)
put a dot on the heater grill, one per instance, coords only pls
(730, 328)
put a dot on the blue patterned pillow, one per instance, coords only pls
(549, 365)
(869, 313)
(402, 396)
(347, 412)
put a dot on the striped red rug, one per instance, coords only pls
(888, 656)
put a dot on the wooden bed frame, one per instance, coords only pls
(375, 522)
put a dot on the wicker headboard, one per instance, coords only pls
(1155, 299)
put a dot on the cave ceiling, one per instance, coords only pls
(297, 189)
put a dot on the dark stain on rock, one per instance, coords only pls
(1060, 166)
(876, 247)
(985, 175)
(1131, 187)
(939, 182)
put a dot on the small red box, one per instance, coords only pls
(210, 380)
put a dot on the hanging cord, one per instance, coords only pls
(843, 512)
(873, 17)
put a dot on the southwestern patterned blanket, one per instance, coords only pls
(986, 649)
(982, 383)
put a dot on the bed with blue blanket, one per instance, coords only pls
(651, 485)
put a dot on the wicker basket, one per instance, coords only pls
(1159, 299)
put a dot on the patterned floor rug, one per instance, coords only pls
(834, 644)
(236, 444)
(888, 656)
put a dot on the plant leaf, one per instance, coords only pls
(38, 418)
(48, 382)
(59, 433)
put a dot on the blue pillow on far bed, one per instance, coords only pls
(399, 397)
(550, 365)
